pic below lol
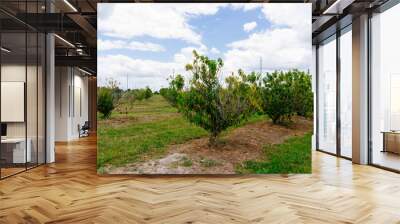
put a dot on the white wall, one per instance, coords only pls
(62, 82)
(16, 73)
(71, 94)
(33, 126)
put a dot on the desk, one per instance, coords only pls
(13, 150)
(391, 141)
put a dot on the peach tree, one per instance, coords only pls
(207, 104)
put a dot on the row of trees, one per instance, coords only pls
(214, 106)
(111, 97)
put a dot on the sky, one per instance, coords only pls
(142, 44)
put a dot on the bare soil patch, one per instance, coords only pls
(239, 145)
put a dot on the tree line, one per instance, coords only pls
(111, 97)
(215, 105)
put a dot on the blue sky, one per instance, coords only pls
(150, 42)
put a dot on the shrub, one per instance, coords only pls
(126, 101)
(302, 93)
(247, 87)
(206, 103)
(140, 94)
(116, 92)
(163, 92)
(176, 85)
(286, 94)
(278, 96)
(105, 102)
(148, 93)
(177, 82)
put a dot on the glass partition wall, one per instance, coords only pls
(345, 61)
(22, 107)
(334, 105)
(327, 95)
(385, 89)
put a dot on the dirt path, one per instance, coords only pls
(197, 157)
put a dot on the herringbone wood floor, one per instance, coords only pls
(70, 191)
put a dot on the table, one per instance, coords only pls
(391, 141)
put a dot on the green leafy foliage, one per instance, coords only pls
(207, 104)
(126, 101)
(172, 93)
(302, 93)
(147, 93)
(105, 101)
(116, 92)
(286, 94)
(128, 98)
(278, 97)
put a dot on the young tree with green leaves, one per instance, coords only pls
(105, 101)
(286, 94)
(148, 93)
(278, 97)
(206, 103)
(303, 97)
(176, 84)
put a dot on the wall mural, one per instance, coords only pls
(204, 88)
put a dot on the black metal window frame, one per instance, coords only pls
(44, 81)
(387, 5)
(381, 9)
(339, 32)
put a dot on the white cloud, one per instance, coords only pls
(214, 50)
(285, 45)
(155, 20)
(104, 45)
(245, 6)
(278, 49)
(296, 16)
(249, 26)
(140, 72)
(143, 72)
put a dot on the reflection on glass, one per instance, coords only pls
(22, 91)
(386, 89)
(346, 94)
(41, 98)
(327, 96)
(31, 101)
(14, 153)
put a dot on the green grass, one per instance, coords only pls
(292, 156)
(155, 125)
(129, 142)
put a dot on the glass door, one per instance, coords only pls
(22, 92)
(327, 95)
(385, 89)
(14, 156)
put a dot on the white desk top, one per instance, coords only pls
(13, 140)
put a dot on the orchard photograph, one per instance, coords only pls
(204, 88)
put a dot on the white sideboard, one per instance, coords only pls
(19, 154)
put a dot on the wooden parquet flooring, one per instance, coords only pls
(69, 191)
